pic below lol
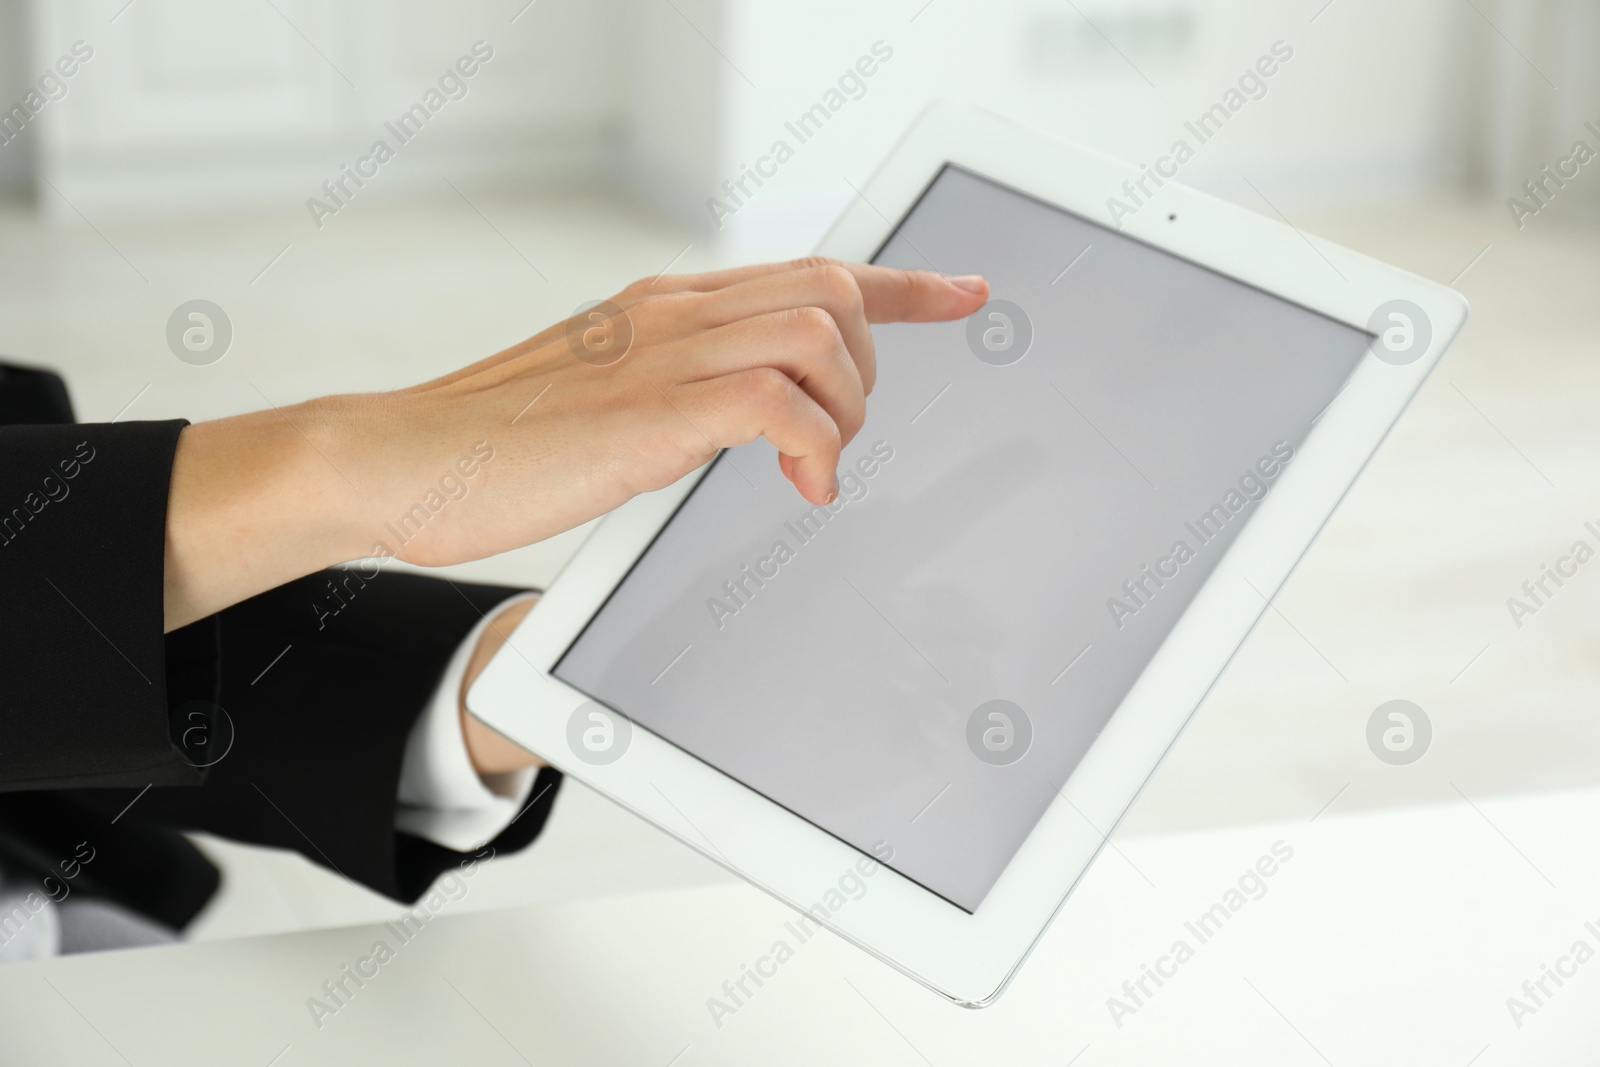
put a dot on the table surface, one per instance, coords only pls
(1390, 937)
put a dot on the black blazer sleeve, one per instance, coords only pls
(286, 715)
(322, 680)
(83, 690)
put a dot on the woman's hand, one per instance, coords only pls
(546, 435)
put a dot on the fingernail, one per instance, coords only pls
(833, 494)
(972, 283)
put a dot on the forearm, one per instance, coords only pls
(491, 751)
(254, 501)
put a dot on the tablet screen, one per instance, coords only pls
(1037, 496)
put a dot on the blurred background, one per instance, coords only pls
(201, 149)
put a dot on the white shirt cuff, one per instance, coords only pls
(442, 797)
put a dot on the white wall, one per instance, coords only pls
(200, 106)
(195, 105)
(1524, 105)
(1328, 126)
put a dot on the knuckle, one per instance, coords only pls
(910, 283)
(831, 439)
(852, 423)
(840, 284)
(816, 327)
(644, 303)
(768, 388)
(812, 262)
(658, 310)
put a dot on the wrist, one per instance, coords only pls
(255, 501)
(492, 752)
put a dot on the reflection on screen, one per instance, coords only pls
(1037, 496)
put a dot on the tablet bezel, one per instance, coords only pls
(970, 957)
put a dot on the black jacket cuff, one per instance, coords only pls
(83, 512)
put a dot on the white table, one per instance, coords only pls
(1390, 937)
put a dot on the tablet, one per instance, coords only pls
(916, 714)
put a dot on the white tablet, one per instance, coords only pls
(915, 715)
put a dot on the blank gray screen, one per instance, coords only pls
(1006, 531)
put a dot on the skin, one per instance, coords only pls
(491, 751)
(780, 351)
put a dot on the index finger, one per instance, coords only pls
(890, 294)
